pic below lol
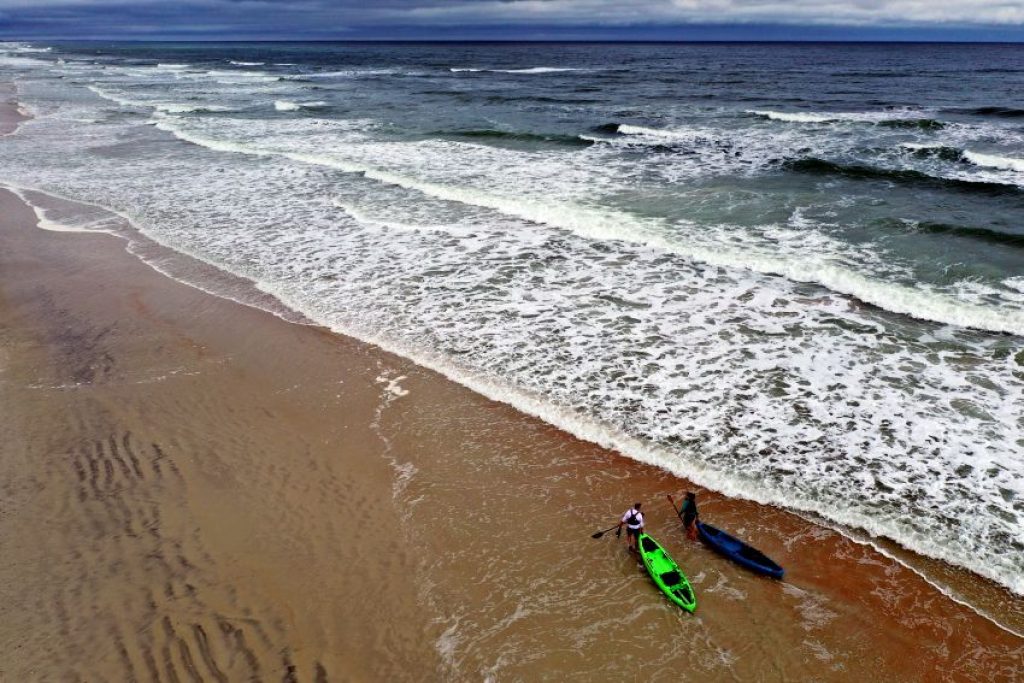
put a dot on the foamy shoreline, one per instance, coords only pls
(826, 569)
(828, 572)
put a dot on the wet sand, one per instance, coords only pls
(184, 487)
(193, 489)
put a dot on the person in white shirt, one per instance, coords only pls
(634, 521)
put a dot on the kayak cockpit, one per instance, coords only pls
(757, 557)
(671, 578)
(738, 551)
(721, 538)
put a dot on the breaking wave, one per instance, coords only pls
(490, 134)
(886, 119)
(822, 167)
(529, 70)
(999, 112)
(288, 105)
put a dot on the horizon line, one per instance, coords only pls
(637, 41)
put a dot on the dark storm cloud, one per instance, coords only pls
(423, 18)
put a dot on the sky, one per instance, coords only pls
(985, 20)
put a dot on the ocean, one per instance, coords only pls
(792, 273)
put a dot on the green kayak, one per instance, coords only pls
(666, 573)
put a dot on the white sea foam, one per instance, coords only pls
(695, 137)
(236, 63)
(19, 62)
(288, 105)
(528, 70)
(627, 129)
(369, 220)
(89, 222)
(186, 108)
(995, 161)
(238, 77)
(393, 385)
(124, 101)
(796, 117)
(832, 117)
(538, 70)
(22, 47)
(342, 73)
(157, 105)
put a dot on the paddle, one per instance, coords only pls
(599, 534)
(672, 502)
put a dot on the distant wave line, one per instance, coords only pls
(528, 70)
(887, 119)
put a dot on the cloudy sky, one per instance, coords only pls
(516, 19)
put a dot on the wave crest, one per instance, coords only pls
(289, 105)
(822, 167)
(886, 119)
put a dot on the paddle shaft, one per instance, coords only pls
(672, 502)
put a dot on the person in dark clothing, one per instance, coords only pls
(689, 515)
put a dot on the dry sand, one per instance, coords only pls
(193, 489)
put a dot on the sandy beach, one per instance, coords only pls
(194, 489)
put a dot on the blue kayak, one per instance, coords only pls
(738, 551)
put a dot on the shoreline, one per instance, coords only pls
(980, 594)
(209, 278)
(408, 418)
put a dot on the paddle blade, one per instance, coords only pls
(599, 534)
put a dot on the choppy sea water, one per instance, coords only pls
(793, 272)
